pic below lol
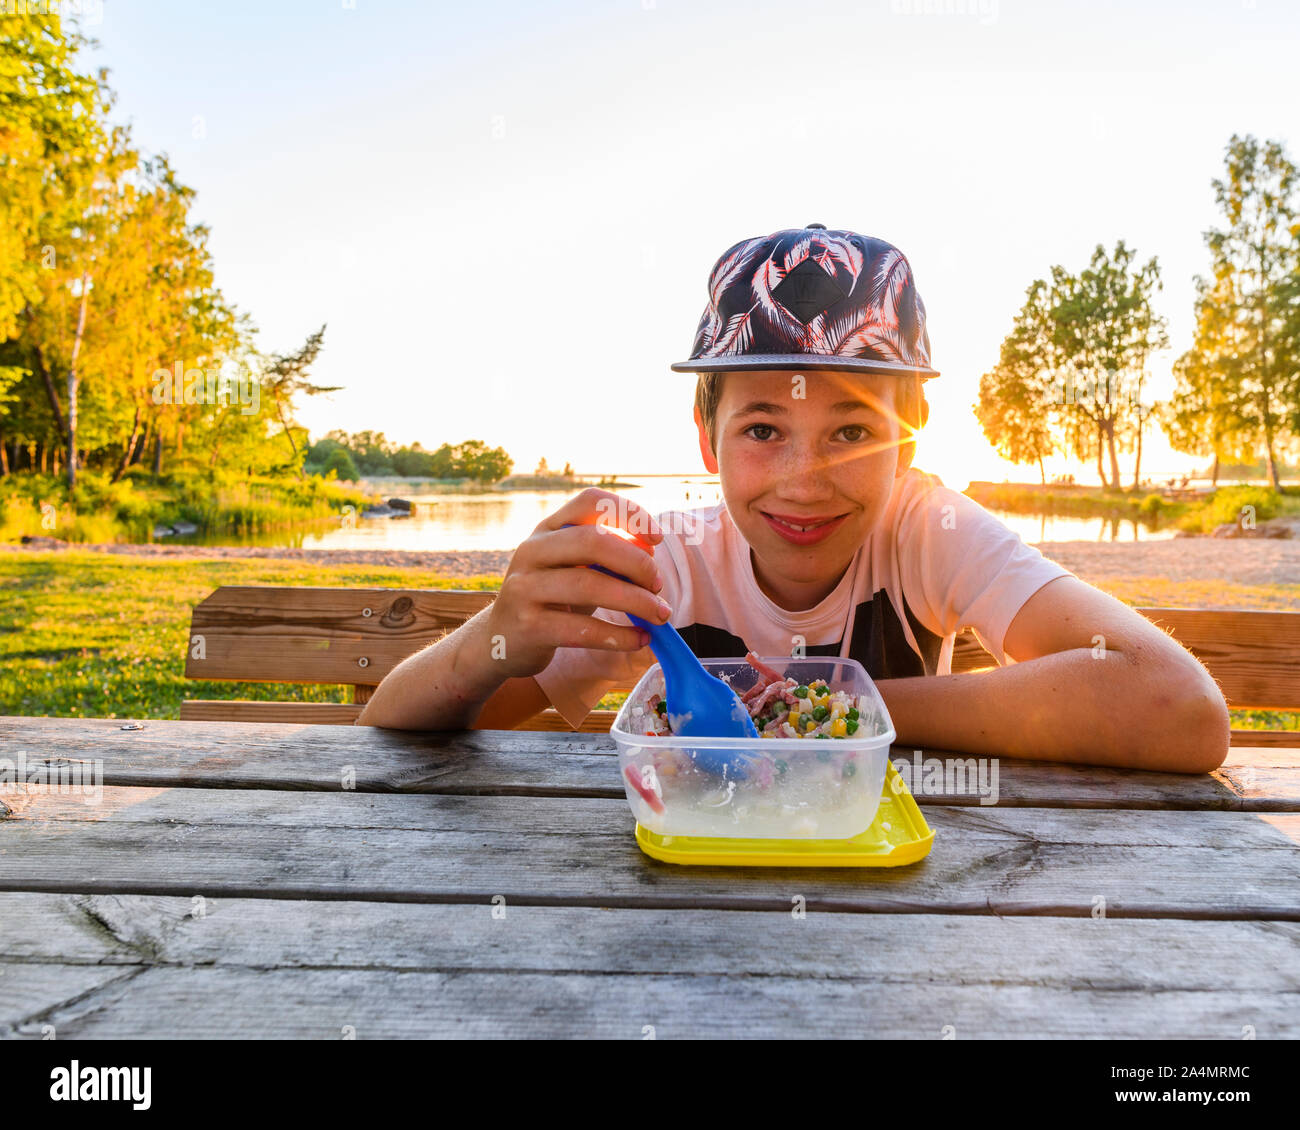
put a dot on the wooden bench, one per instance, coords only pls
(268, 634)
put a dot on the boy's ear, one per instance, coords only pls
(907, 450)
(706, 452)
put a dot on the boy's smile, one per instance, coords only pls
(807, 462)
(803, 530)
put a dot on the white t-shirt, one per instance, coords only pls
(936, 563)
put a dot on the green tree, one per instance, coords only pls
(111, 282)
(373, 452)
(1201, 417)
(285, 378)
(1070, 372)
(50, 121)
(1103, 331)
(1240, 381)
(442, 464)
(487, 465)
(1015, 402)
(413, 462)
(340, 462)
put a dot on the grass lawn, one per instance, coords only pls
(104, 635)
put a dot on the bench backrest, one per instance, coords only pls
(270, 634)
(263, 633)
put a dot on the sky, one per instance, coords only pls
(506, 213)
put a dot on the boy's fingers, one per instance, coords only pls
(587, 587)
(588, 545)
(595, 505)
(569, 629)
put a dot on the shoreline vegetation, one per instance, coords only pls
(139, 507)
(1191, 512)
(510, 482)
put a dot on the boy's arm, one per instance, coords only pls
(451, 685)
(1133, 698)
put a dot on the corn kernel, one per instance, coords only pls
(839, 728)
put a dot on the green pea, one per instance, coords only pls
(852, 714)
(850, 769)
(823, 755)
(782, 768)
(661, 707)
(800, 692)
(820, 713)
(851, 726)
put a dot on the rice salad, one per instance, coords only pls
(780, 706)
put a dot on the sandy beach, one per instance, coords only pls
(1253, 561)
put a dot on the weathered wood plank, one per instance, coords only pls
(844, 974)
(1287, 823)
(33, 990)
(282, 933)
(346, 714)
(597, 722)
(277, 755)
(511, 762)
(575, 851)
(245, 710)
(1287, 739)
(968, 654)
(1264, 756)
(235, 1003)
(1254, 656)
(292, 634)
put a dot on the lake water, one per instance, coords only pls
(1035, 528)
(501, 520)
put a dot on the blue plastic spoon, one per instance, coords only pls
(702, 705)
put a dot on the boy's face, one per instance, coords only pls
(817, 449)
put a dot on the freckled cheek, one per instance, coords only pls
(750, 470)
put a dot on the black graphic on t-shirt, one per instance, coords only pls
(879, 642)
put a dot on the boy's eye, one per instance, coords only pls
(853, 433)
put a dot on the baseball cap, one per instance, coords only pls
(812, 298)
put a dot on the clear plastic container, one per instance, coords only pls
(785, 788)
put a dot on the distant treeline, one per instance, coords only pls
(370, 453)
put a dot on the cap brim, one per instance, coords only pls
(798, 361)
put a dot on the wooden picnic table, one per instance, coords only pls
(239, 880)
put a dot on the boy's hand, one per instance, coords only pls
(548, 594)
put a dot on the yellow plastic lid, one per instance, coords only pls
(897, 836)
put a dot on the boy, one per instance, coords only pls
(811, 354)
